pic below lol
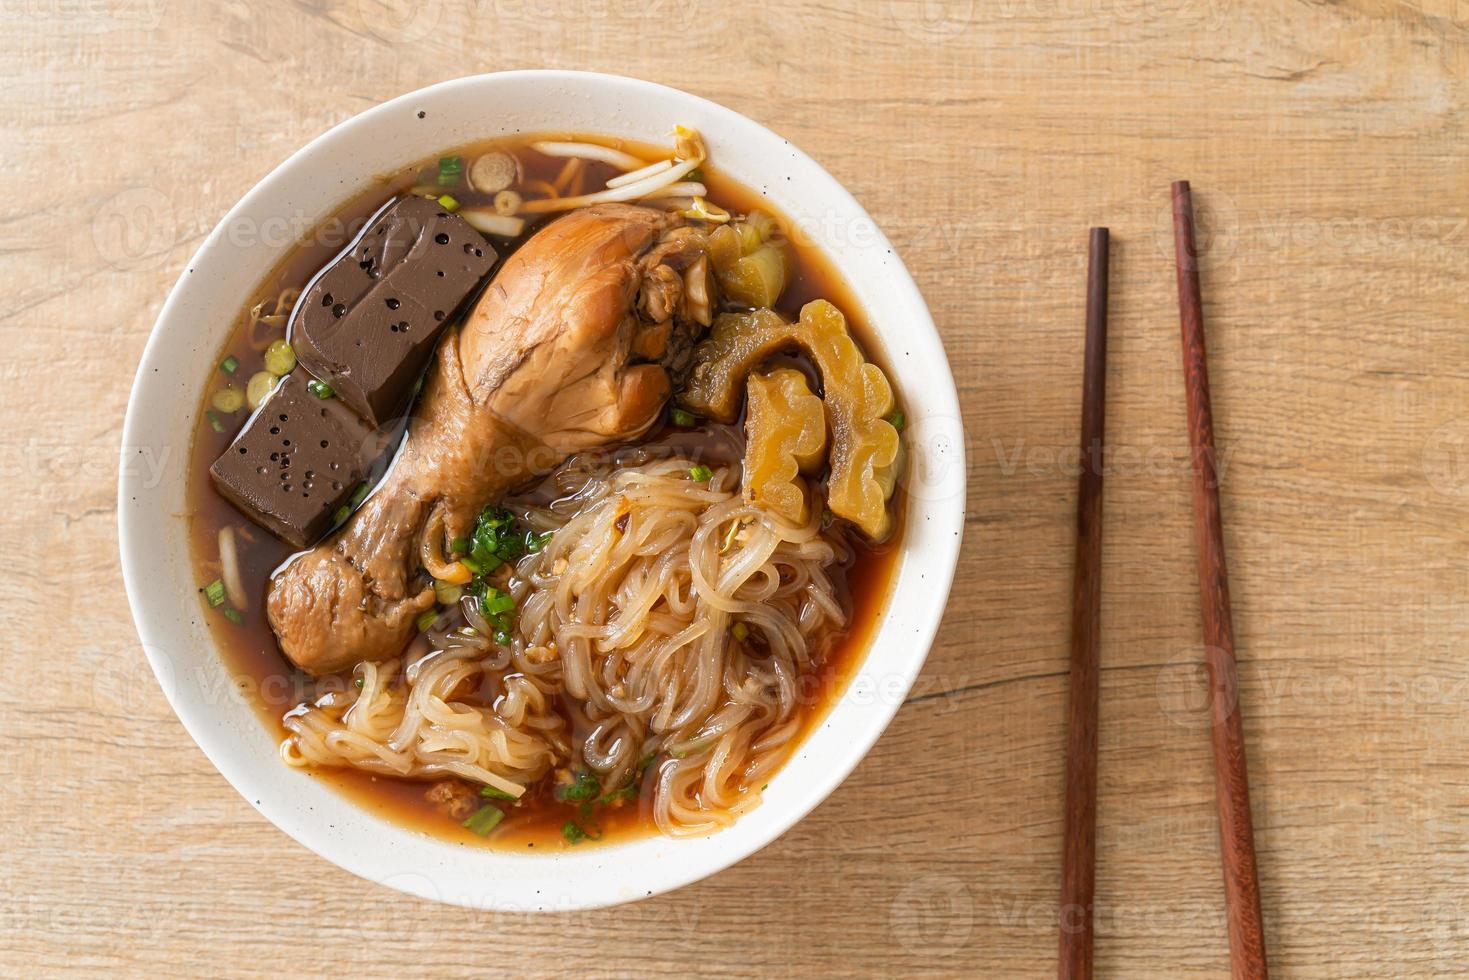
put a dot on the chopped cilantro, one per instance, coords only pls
(584, 787)
(575, 834)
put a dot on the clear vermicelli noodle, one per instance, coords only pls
(666, 616)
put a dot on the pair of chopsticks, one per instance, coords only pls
(1231, 778)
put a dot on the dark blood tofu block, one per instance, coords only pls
(297, 461)
(368, 322)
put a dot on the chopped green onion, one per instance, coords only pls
(700, 473)
(320, 389)
(228, 400)
(447, 592)
(449, 170)
(340, 517)
(895, 419)
(696, 175)
(585, 787)
(360, 494)
(492, 793)
(684, 419)
(741, 631)
(233, 615)
(426, 619)
(493, 602)
(279, 358)
(214, 594)
(448, 203)
(494, 541)
(214, 422)
(485, 819)
(230, 364)
(574, 834)
(827, 517)
(628, 792)
(358, 682)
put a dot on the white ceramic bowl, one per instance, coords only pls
(241, 251)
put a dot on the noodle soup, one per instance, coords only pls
(652, 641)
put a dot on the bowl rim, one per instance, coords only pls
(157, 620)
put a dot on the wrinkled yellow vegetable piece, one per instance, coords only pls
(864, 451)
(751, 267)
(785, 433)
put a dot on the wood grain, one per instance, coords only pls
(1326, 142)
(1247, 957)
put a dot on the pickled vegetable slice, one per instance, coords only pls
(864, 451)
(751, 265)
(785, 431)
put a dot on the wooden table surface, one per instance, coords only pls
(1326, 145)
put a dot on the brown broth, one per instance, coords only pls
(274, 686)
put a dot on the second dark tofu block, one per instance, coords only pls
(296, 462)
(368, 322)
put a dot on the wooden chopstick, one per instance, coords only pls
(1231, 778)
(1078, 862)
